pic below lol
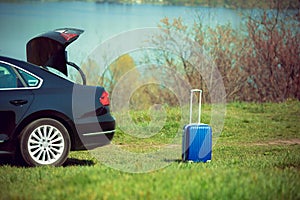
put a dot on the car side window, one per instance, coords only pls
(30, 80)
(8, 78)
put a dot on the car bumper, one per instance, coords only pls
(95, 135)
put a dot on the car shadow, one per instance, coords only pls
(8, 161)
(78, 162)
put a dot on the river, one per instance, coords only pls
(20, 22)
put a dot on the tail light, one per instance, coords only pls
(68, 36)
(104, 99)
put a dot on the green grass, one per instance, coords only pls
(256, 157)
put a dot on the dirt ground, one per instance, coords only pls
(294, 141)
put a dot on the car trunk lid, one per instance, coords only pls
(48, 49)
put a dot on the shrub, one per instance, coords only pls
(259, 62)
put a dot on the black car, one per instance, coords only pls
(43, 115)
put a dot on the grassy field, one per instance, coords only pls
(257, 156)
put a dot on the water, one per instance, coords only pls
(20, 22)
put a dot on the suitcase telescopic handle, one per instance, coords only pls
(191, 104)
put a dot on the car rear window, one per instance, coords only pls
(13, 77)
(29, 79)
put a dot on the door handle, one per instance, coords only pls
(18, 102)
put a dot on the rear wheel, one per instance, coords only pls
(45, 142)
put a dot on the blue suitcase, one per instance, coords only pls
(197, 137)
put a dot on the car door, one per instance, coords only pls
(15, 98)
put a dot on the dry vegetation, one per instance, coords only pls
(258, 62)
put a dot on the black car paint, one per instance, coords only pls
(54, 99)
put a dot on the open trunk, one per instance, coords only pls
(49, 49)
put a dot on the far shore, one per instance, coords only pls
(231, 4)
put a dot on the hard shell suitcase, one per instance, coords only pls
(197, 137)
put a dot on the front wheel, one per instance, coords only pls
(45, 142)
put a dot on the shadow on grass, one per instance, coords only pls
(78, 162)
(10, 161)
(173, 160)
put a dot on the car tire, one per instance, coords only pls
(45, 142)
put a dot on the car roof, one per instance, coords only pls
(25, 65)
(48, 77)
